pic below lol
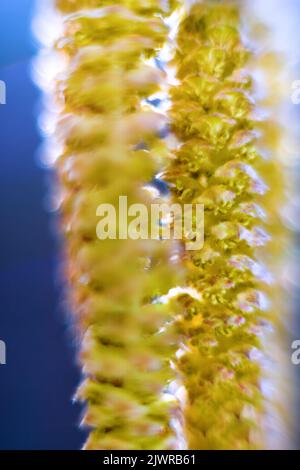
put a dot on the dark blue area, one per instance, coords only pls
(15, 39)
(40, 377)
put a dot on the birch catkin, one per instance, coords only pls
(111, 147)
(218, 163)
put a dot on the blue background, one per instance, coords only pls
(40, 377)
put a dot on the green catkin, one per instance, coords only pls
(111, 147)
(218, 163)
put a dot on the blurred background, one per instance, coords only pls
(40, 377)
